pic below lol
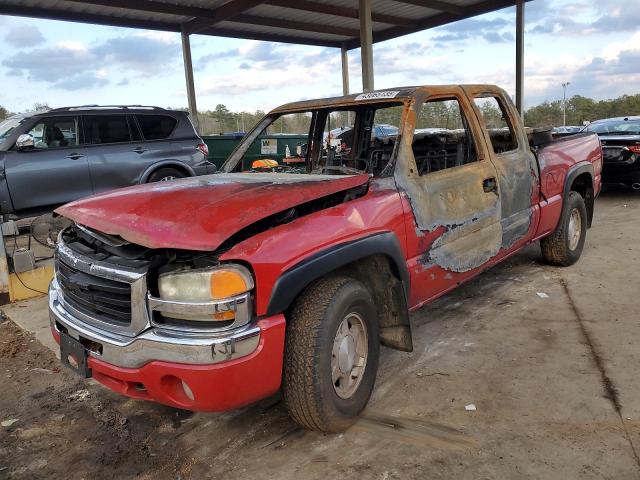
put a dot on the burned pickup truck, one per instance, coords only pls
(214, 292)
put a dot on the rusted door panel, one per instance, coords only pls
(454, 202)
(517, 184)
(518, 175)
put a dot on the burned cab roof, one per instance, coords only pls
(396, 94)
(401, 94)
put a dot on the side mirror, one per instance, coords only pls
(25, 142)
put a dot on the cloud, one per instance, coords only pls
(261, 56)
(603, 17)
(140, 53)
(211, 57)
(236, 85)
(408, 60)
(614, 72)
(74, 65)
(493, 30)
(82, 81)
(58, 65)
(24, 36)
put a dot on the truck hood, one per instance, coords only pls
(200, 213)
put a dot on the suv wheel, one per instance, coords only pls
(331, 354)
(165, 174)
(564, 246)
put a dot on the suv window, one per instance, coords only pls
(442, 138)
(101, 129)
(156, 127)
(495, 118)
(55, 132)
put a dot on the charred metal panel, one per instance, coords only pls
(518, 175)
(469, 245)
(200, 213)
(452, 199)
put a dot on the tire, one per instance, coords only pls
(165, 174)
(562, 248)
(314, 352)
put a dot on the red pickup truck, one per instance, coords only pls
(211, 293)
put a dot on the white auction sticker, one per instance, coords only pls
(269, 146)
(376, 95)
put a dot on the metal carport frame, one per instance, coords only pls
(343, 24)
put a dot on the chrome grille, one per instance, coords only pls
(109, 300)
(108, 296)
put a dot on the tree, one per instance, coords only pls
(225, 118)
(41, 106)
(580, 110)
(4, 113)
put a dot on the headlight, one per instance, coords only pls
(202, 286)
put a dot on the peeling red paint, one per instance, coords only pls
(200, 213)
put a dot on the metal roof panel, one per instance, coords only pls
(170, 15)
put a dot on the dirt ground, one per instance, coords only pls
(548, 356)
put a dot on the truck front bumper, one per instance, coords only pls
(193, 372)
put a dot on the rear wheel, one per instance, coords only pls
(564, 246)
(165, 174)
(331, 354)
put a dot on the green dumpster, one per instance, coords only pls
(266, 146)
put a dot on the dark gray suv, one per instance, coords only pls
(52, 157)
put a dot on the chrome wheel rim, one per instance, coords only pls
(575, 229)
(349, 355)
(167, 178)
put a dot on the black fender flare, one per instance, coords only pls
(574, 172)
(297, 278)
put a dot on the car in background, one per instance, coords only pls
(620, 139)
(565, 130)
(51, 157)
(344, 135)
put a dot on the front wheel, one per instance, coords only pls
(331, 354)
(564, 246)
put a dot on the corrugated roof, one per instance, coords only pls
(332, 23)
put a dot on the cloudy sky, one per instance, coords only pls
(593, 44)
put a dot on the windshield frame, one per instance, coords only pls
(238, 153)
(319, 114)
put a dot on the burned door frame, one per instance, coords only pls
(518, 175)
(453, 203)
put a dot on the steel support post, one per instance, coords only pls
(366, 45)
(520, 56)
(188, 73)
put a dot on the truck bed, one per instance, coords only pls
(556, 158)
